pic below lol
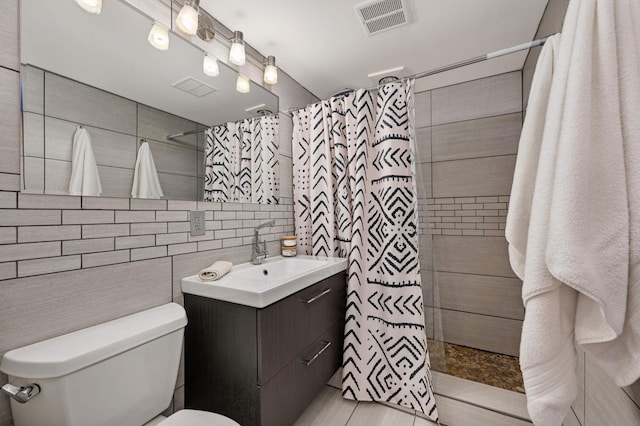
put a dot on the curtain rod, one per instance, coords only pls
(491, 55)
(185, 133)
(191, 132)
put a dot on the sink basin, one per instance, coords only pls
(262, 285)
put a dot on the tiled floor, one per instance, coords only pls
(460, 403)
(329, 408)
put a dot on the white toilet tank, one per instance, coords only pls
(122, 372)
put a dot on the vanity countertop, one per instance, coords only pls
(261, 285)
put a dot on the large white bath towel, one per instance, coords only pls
(85, 179)
(145, 175)
(573, 220)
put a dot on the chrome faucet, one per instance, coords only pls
(259, 252)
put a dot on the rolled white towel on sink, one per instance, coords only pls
(216, 271)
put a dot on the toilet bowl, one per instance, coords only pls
(120, 372)
(196, 418)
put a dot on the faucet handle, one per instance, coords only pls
(264, 248)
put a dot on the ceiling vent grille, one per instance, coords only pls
(194, 87)
(381, 15)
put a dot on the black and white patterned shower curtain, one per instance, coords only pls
(241, 161)
(355, 197)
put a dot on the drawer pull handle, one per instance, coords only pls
(317, 296)
(325, 345)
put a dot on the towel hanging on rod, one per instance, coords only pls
(85, 178)
(145, 176)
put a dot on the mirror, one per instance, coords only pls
(99, 71)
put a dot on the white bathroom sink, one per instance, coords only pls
(262, 285)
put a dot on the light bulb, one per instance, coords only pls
(242, 84)
(187, 19)
(236, 53)
(271, 71)
(210, 66)
(91, 6)
(159, 37)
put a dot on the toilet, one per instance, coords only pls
(121, 372)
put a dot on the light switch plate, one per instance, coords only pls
(197, 223)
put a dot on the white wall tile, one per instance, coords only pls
(33, 137)
(32, 201)
(148, 228)
(141, 204)
(81, 299)
(105, 203)
(422, 106)
(472, 255)
(29, 217)
(486, 97)
(91, 260)
(84, 217)
(30, 234)
(9, 121)
(8, 270)
(135, 216)
(135, 242)
(484, 137)
(82, 104)
(32, 175)
(8, 235)
(9, 33)
(172, 216)
(484, 332)
(101, 231)
(495, 296)
(473, 177)
(148, 253)
(9, 181)
(46, 266)
(87, 246)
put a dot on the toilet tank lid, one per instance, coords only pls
(70, 352)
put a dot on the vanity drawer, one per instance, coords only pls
(288, 327)
(285, 396)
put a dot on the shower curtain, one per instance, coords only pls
(355, 197)
(241, 161)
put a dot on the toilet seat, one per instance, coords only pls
(197, 418)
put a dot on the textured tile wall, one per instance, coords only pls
(67, 263)
(467, 139)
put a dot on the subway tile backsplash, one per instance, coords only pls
(142, 234)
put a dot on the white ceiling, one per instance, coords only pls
(322, 45)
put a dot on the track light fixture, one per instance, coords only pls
(159, 37)
(91, 6)
(270, 71)
(190, 22)
(210, 66)
(236, 53)
(242, 84)
(187, 20)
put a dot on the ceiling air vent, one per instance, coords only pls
(194, 87)
(381, 15)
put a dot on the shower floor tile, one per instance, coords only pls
(493, 369)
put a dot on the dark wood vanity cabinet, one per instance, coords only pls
(263, 366)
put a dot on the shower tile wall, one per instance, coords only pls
(467, 140)
(72, 262)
